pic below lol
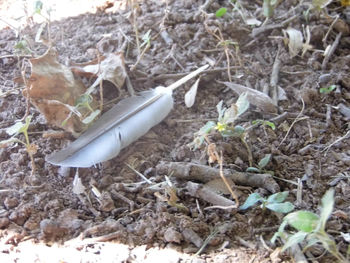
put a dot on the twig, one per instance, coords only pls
(204, 173)
(134, 6)
(132, 68)
(23, 74)
(331, 50)
(260, 30)
(336, 141)
(295, 120)
(274, 76)
(180, 75)
(233, 194)
(206, 194)
(139, 174)
(206, 241)
(324, 39)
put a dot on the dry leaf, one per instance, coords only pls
(190, 95)
(255, 97)
(53, 90)
(78, 187)
(111, 68)
(295, 43)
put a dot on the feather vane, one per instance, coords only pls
(120, 126)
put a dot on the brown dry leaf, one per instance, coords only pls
(53, 90)
(111, 68)
(212, 153)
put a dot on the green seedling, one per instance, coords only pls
(261, 165)
(17, 129)
(221, 12)
(274, 202)
(146, 38)
(265, 123)
(327, 90)
(225, 124)
(310, 228)
(22, 48)
(84, 102)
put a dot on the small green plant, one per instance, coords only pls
(225, 124)
(261, 166)
(264, 123)
(146, 38)
(274, 202)
(17, 129)
(83, 102)
(327, 90)
(221, 12)
(311, 228)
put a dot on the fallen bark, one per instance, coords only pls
(203, 173)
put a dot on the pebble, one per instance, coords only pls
(171, 235)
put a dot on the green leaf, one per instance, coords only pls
(207, 128)
(9, 141)
(91, 117)
(327, 90)
(19, 127)
(146, 38)
(252, 170)
(294, 239)
(326, 208)
(270, 124)
(83, 100)
(242, 103)
(284, 208)
(264, 161)
(14, 129)
(221, 11)
(280, 232)
(278, 197)
(38, 7)
(251, 200)
(302, 220)
(220, 110)
(237, 131)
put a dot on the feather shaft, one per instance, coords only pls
(117, 128)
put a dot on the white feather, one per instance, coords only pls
(123, 124)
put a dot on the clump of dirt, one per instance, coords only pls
(309, 146)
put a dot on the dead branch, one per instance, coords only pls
(204, 173)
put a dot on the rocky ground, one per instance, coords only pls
(44, 219)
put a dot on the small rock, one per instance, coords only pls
(10, 202)
(51, 229)
(171, 235)
(32, 223)
(192, 237)
(106, 202)
(20, 215)
(4, 222)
